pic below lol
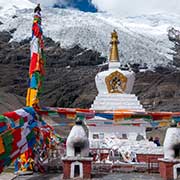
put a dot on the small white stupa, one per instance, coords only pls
(77, 142)
(77, 163)
(115, 85)
(170, 164)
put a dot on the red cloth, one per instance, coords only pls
(2, 124)
(36, 30)
(34, 64)
(12, 115)
(28, 154)
(16, 138)
(14, 148)
(17, 135)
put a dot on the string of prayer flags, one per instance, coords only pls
(21, 131)
(118, 117)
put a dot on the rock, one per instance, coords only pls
(174, 36)
(158, 91)
(14, 16)
(5, 36)
(12, 30)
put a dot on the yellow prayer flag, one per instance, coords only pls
(31, 98)
(164, 124)
(2, 150)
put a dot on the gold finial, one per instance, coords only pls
(114, 55)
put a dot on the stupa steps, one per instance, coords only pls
(117, 107)
(116, 98)
(117, 95)
(118, 102)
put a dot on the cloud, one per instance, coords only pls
(137, 7)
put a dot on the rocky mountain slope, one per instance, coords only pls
(69, 80)
(70, 73)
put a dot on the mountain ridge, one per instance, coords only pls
(141, 41)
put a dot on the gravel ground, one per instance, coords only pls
(7, 176)
(118, 176)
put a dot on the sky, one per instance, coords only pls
(118, 7)
(83, 5)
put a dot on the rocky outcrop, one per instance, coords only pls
(174, 36)
(69, 80)
(159, 90)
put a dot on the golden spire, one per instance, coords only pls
(114, 55)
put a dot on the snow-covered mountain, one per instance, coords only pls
(9, 7)
(143, 39)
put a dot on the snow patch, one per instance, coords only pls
(9, 8)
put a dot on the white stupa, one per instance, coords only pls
(114, 95)
(115, 85)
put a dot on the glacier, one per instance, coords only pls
(143, 39)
